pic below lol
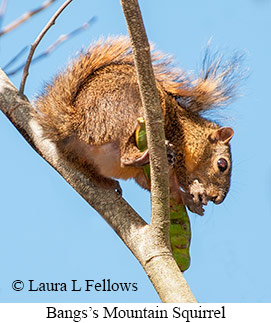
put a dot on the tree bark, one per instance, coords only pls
(159, 169)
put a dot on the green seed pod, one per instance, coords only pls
(141, 142)
(180, 231)
(180, 234)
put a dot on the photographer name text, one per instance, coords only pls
(88, 285)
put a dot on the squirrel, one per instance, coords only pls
(90, 111)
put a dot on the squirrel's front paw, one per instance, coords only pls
(197, 190)
(193, 205)
(186, 198)
(196, 197)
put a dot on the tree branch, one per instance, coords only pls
(16, 23)
(2, 11)
(14, 59)
(159, 168)
(50, 23)
(61, 39)
(153, 117)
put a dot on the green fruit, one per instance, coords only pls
(179, 231)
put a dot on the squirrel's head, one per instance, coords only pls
(213, 168)
(203, 157)
(206, 170)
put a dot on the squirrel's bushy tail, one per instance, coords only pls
(56, 110)
(58, 115)
(215, 85)
(218, 81)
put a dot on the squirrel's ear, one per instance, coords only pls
(223, 134)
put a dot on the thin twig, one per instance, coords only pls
(3, 7)
(14, 59)
(2, 11)
(65, 37)
(37, 41)
(14, 24)
(61, 39)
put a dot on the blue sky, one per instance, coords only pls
(48, 233)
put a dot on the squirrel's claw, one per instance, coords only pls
(194, 205)
(196, 197)
(139, 162)
(117, 188)
(197, 190)
(145, 158)
(171, 157)
(119, 191)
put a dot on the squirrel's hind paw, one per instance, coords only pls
(117, 188)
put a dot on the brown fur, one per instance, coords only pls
(90, 112)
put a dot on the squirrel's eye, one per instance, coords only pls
(222, 164)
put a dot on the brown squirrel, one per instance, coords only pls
(90, 112)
